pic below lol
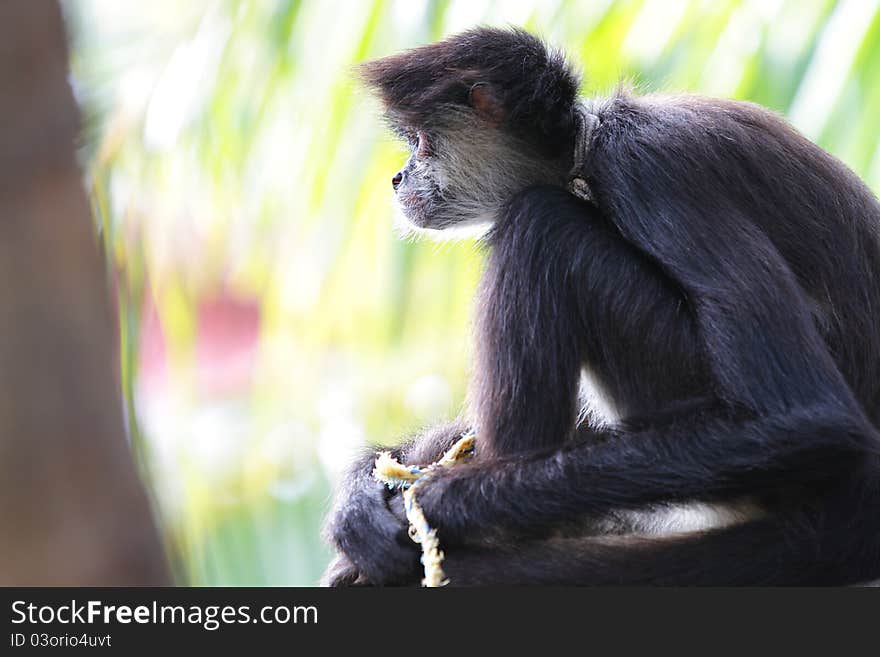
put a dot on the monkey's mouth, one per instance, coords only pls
(417, 208)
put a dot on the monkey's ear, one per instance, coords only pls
(483, 99)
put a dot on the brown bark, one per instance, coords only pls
(72, 508)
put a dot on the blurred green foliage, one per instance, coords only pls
(270, 320)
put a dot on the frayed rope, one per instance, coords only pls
(394, 474)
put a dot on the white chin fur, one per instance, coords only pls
(472, 229)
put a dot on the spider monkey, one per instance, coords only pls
(677, 377)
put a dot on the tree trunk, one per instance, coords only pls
(72, 508)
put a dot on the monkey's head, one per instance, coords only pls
(486, 113)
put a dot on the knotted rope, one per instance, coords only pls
(394, 474)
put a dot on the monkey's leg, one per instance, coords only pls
(832, 547)
(712, 459)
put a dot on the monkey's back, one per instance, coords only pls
(820, 216)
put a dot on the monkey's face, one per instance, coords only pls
(460, 175)
(486, 113)
(417, 186)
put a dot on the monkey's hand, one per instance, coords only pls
(368, 525)
(342, 572)
(491, 500)
(372, 538)
(448, 507)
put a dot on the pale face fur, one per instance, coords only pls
(460, 177)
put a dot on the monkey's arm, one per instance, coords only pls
(708, 458)
(561, 290)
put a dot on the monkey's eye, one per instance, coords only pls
(423, 146)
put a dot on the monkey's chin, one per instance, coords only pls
(407, 229)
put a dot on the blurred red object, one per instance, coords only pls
(225, 349)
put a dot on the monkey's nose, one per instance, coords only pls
(396, 180)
